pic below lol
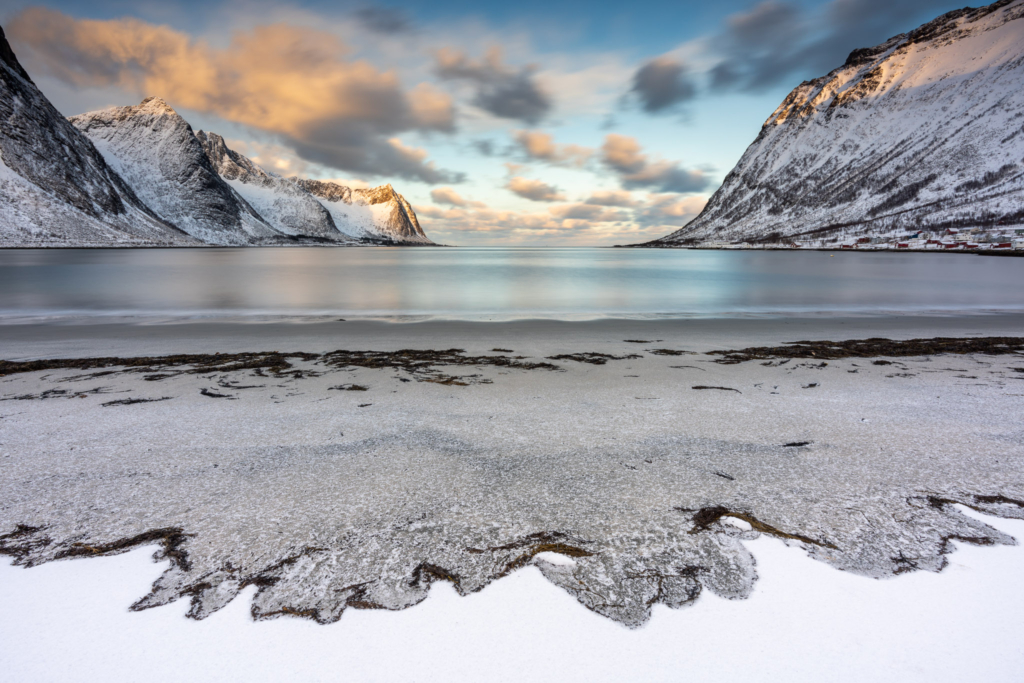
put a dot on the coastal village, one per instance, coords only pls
(951, 239)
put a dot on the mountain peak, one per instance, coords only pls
(155, 105)
(8, 58)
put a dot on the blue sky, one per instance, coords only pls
(533, 123)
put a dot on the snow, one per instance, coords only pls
(55, 188)
(843, 154)
(355, 220)
(741, 524)
(155, 151)
(150, 181)
(555, 558)
(804, 622)
(281, 203)
(354, 214)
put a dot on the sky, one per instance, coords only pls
(530, 123)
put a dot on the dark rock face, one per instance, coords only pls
(925, 131)
(57, 179)
(8, 58)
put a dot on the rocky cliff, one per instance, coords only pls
(282, 204)
(379, 214)
(56, 189)
(140, 176)
(925, 131)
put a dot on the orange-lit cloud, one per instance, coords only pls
(588, 212)
(447, 195)
(623, 154)
(541, 146)
(580, 223)
(294, 82)
(612, 198)
(534, 190)
(669, 210)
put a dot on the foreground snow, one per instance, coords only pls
(804, 622)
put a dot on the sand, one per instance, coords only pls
(628, 484)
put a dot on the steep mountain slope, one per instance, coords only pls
(925, 131)
(281, 203)
(156, 152)
(56, 189)
(140, 176)
(377, 214)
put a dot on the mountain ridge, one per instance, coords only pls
(922, 132)
(55, 186)
(156, 152)
(285, 206)
(141, 176)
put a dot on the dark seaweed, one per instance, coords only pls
(870, 348)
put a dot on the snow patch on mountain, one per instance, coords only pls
(281, 203)
(156, 152)
(377, 214)
(922, 132)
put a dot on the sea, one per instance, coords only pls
(507, 283)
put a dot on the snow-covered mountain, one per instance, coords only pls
(158, 154)
(56, 189)
(316, 208)
(283, 204)
(925, 131)
(378, 213)
(140, 176)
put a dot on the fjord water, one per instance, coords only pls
(499, 283)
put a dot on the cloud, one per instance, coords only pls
(661, 84)
(560, 224)
(636, 170)
(541, 146)
(296, 83)
(500, 90)
(612, 198)
(777, 41)
(354, 183)
(534, 190)
(483, 146)
(589, 212)
(384, 20)
(669, 210)
(446, 195)
(274, 158)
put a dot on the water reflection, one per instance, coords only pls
(518, 282)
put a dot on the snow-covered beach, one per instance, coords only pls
(618, 457)
(803, 622)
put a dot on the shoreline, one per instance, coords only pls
(977, 252)
(83, 337)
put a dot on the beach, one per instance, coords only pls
(341, 466)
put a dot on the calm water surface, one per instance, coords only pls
(499, 283)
